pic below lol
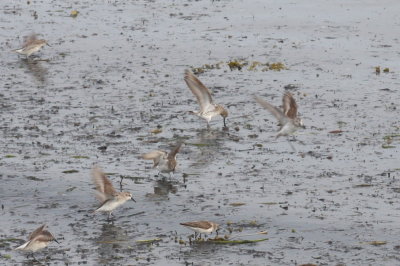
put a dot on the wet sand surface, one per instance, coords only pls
(113, 77)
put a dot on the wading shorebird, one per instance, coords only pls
(288, 120)
(37, 240)
(106, 193)
(163, 161)
(31, 45)
(208, 109)
(201, 227)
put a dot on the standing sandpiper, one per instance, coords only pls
(208, 109)
(201, 227)
(31, 45)
(37, 240)
(288, 119)
(165, 162)
(106, 193)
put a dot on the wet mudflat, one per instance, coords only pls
(111, 88)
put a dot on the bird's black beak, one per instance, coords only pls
(133, 199)
(56, 241)
(48, 44)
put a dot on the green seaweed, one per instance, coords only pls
(245, 241)
(148, 241)
(278, 66)
(80, 157)
(34, 178)
(385, 146)
(235, 64)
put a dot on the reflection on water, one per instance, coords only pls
(36, 68)
(200, 250)
(208, 146)
(164, 186)
(111, 238)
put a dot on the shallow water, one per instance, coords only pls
(115, 73)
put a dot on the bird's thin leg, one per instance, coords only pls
(109, 216)
(120, 183)
(33, 256)
(291, 145)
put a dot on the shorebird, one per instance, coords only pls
(106, 193)
(288, 120)
(201, 227)
(165, 162)
(37, 240)
(31, 45)
(208, 109)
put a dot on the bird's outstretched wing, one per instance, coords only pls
(201, 92)
(274, 111)
(289, 105)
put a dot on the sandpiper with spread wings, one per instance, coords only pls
(165, 162)
(208, 109)
(201, 227)
(288, 119)
(31, 45)
(37, 240)
(106, 193)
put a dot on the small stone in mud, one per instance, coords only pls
(102, 148)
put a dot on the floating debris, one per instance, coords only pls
(34, 178)
(336, 131)
(156, 131)
(74, 13)
(70, 189)
(70, 171)
(237, 204)
(375, 243)
(269, 203)
(363, 185)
